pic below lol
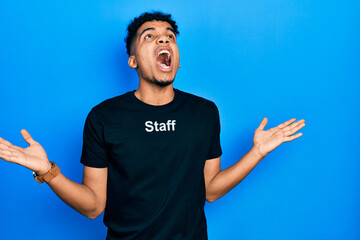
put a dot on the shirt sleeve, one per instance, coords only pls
(215, 147)
(94, 151)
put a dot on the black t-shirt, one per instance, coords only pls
(155, 157)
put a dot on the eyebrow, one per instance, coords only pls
(151, 28)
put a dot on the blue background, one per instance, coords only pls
(277, 59)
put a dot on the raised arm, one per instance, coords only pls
(88, 198)
(218, 182)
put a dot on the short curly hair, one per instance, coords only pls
(136, 23)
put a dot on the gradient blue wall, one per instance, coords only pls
(279, 59)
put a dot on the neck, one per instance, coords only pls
(155, 95)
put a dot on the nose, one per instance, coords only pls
(163, 39)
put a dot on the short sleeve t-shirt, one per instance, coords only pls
(155, 157)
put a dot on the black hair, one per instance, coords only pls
(136, 23)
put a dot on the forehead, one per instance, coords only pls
(158, 25)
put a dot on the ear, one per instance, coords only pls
(132, 62)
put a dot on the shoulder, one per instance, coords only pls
(110, 106)
(198, 101)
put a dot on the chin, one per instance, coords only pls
(162, 83)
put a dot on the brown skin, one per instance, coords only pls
(218, 182)
(89, 198)
(143, 60)
(143, 57)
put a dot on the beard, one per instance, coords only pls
(162, 83)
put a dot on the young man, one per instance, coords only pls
(151, 156)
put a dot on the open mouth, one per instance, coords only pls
(163, 59)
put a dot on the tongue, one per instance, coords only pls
(164, 65)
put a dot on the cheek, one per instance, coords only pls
(145, 58)
(177, 59)
(144, 63)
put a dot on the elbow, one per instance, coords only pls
(211, 198)
(96, 210)
(94, 214)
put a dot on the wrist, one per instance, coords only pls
(257, 152)
(48, 176)
(45, 169)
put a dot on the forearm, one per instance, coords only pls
(230, 177)
(88, 201)
(78, 196)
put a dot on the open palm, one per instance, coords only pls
(33, 157)
(267, 141)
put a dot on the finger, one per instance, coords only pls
(3, 141)
(27, 137)
(6, 144)
(4, 147)
(288, 139)
(294, 129)
(5, 154)
(16, 148)
(11, 151)
(297, 123)
(285, 124)
(263, 123)
(8, 156)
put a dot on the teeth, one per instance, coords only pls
(165, 51)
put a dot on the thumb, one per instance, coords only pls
(27, 137)
(263, 123)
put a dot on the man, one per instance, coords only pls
(151, 156)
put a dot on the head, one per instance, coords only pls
(152, 48)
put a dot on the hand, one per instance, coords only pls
(267, 141)
(33, 157)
